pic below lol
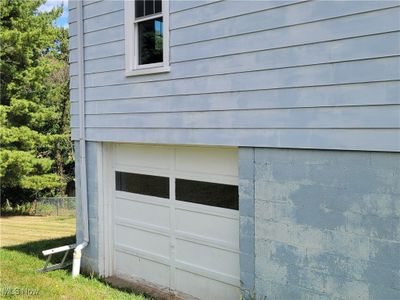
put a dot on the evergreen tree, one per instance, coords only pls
(35, 151)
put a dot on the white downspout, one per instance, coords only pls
(82, 144)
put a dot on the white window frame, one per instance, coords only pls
(131, 41)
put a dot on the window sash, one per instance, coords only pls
(132, 39)
(147, 18)
(136, 65)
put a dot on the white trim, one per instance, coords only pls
(148, 17)
(108, 204)
(132, 68)
(113, 260)
(172, 224)
(101, 209)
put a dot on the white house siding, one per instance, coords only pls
(296, 74)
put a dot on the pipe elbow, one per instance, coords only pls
(76, 262)
(80, 247)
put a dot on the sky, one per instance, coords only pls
(62, 21)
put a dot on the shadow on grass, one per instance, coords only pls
(35, 248)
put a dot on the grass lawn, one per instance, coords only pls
(22, 240)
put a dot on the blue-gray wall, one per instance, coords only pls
(326, 224)
(292, 74)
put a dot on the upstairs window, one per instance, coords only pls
(147, 36)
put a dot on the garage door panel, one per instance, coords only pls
(215, 161)
(158, 157)
(144, 240)
(215, 259)
(143, 211)
(143, 198)
(135, 266)
(176, 218)
(195, 284)
(224, 229)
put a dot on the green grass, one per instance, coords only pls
(17, 230)
(22, 240)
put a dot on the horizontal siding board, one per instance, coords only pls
(73, 98)
(105, 50)
(107, 64)
(334, 51)
(73, 95)
(102, 7)
(305, 12)
(91, 2)
(73, 15)
(221, 10)
(340, 73)
(344, 139)
(73, 42)
(106, 35)
(104, 21)
(73, 69)
(99, 37)
(342, 95)
(279, 38)
(73, 56)
(72, 29)
(73, 82)
(330, 52)
(72, 4)
(330, 83)
(324, 117)
(180, 5)
(355, 25)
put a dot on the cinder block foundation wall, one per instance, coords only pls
(90, 255)
(319, 224)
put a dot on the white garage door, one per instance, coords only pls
(176, 219)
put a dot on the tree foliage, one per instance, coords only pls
(36, 152)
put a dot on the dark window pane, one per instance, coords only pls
(139, 8)
(158, 7)
(149, 185)
(148, 7)
(151, 41)
(207, 193)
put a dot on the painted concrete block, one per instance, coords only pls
(246, 169)
(246, 263)
(246, 197)
(274, 191)
(273, 290)
(373, 226)
(377, 292)
(326, 224)
(385, 252)
(246, 210)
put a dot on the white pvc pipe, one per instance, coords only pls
(76, 264)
